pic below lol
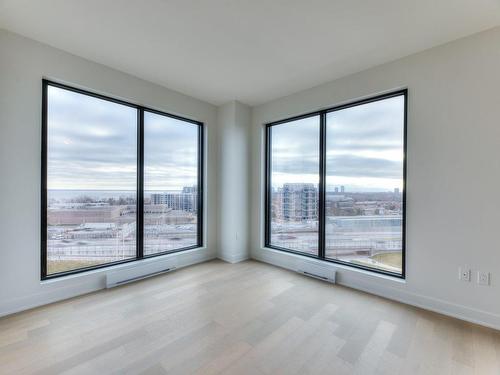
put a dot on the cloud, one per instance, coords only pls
(365, 141)
(342, 165)
(354, 166)
(92, 144)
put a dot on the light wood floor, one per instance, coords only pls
(247, 318)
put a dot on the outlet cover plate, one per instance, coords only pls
(464, 274)
(483, 278)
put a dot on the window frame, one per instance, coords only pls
(322, 186)
(139, 255)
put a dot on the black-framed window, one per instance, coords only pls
(335, 184)
(120, 182)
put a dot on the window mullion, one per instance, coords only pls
(140, 184)
(268, 191)
(200, 187)
(322, 183)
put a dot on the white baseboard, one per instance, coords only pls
(358, 280)
(75, 285)
(233, 258)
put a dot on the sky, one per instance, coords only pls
(170, 153)
(364, 148)
(92, 146)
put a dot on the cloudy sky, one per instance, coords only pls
(170, 153)
(364, 148)
(92, 145)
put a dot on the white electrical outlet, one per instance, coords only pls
(464, 274)
(483, 278)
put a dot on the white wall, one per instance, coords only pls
(233, 120)
(453, 170)
(23, 63)
(453, 173)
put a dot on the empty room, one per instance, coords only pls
(249, 187)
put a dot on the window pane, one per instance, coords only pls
(364, 184)
(91, 181)
(170, 183)
(294, 185)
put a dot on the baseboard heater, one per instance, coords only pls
(121, 277)
(317, 271)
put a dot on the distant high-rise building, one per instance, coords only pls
(396, 190)
(336, 189)
(187, 200)
(299, 202)
(189, 189)
(342, 189)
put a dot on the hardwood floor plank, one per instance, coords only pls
(245, 318)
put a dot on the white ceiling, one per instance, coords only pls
(249, 50)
